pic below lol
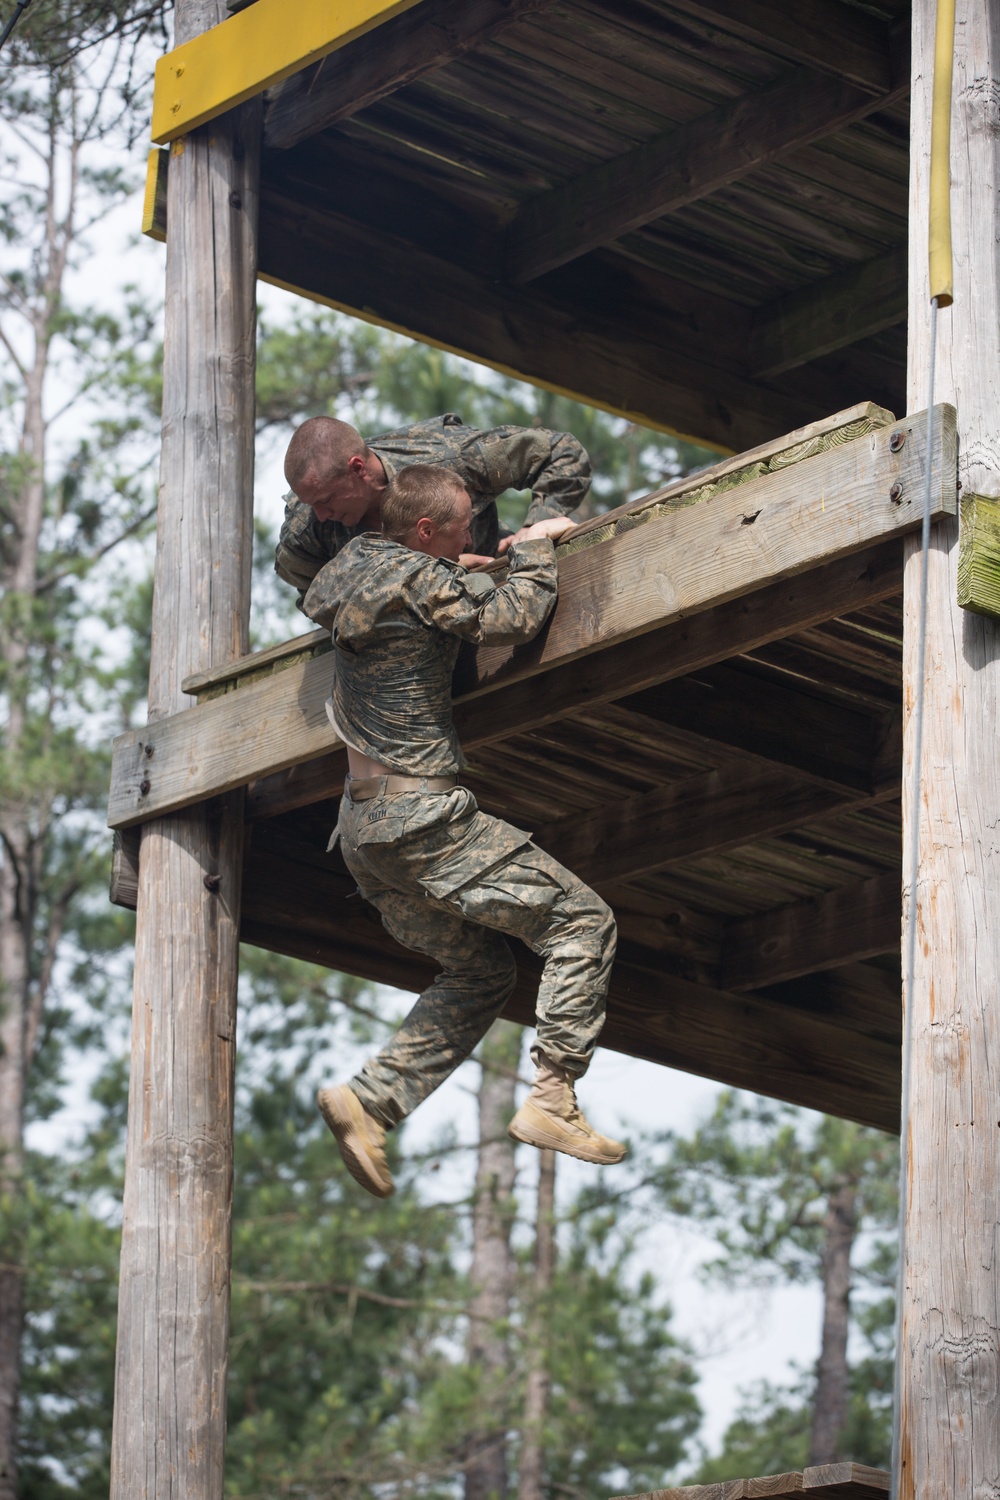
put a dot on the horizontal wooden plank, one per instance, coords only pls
(404, 49)
(856, 922)
(246, 53)
(830, 315)
(676, 564)
(772, 527)
(743, 625)
(678, 168)
(845, 1481)
(300, 647)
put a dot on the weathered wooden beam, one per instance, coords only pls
(241, 56)
(856, 922)
(743, 625)
(402, 50)
(774, 526)
(698, 815)
(680, 167)
(948, 1373)
(173, 1306)
(677, 564)
(829, 315)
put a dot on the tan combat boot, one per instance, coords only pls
(550, 1116)
(360, 1137)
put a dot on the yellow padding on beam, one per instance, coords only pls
(251, 50)
(939, 229)
(154, 202)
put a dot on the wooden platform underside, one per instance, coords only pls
(689, 211)
(728, 779)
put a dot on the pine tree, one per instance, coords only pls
(790, 1197)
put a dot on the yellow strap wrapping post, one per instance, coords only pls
(939, 228)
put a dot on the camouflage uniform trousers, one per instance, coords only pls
(448, 880)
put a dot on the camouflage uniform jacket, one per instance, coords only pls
(553, 465)
(400, 618)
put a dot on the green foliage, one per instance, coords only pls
(760, 1173)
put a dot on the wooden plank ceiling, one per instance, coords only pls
(693, 212)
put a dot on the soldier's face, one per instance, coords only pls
(348, 499)
(455, 536)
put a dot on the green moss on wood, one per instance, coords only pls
(979, 555)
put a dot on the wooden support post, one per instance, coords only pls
(173, 1318)
(950, 1352)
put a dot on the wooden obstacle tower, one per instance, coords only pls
(710, 216)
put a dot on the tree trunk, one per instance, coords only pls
(949, 1372)
(173, 1317)
(536, 1396)
(492, 1270)
(25, 823)
(832, 1400)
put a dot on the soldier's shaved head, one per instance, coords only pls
(322, 449)
(420, 490)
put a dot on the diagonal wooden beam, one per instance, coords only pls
(744, 625)
(679, 563)
(403, 50)
(680, 167)
(829, 315)
(858, 921)
(629, 837)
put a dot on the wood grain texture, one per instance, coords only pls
(678, 168)
(402, 50)
(846, 1481)
(777, 1486)
(949, 1376)
(173, 1310)
(678, 564)
(771, 527)
(855, 922)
